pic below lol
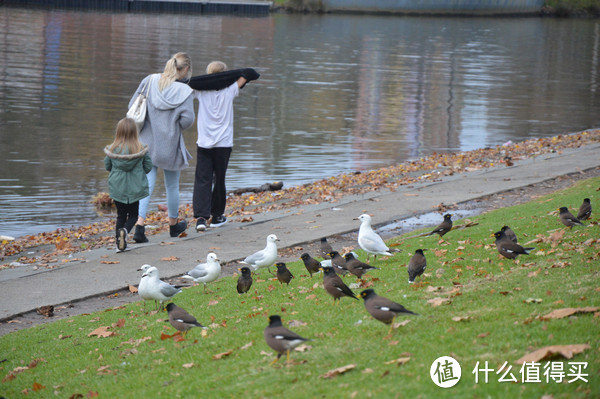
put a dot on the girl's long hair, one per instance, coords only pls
(173, 70)
(126, 137)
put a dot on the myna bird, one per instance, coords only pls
(370, 241)
(443, 227)
(567, 218)
(381, 308)
(151, 287)
(205, 272)
(181, 320)
(357, 267)
(509, 233)
(244, 280)
(283, 273)
(312, 265)
(338, 262)
(265, 257)
(325, 247)
(585, 210)
(334, 285)
(416, 265)
(280, 339)
(508, 248)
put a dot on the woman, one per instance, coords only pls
(170, 111)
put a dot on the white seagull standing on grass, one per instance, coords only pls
(153, 288)
(370, 241)
(265, 257)
(205, 272)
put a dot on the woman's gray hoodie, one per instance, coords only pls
(169, 113)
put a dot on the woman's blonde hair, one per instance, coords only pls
(126, 137)
(216, 67)
(174, 69)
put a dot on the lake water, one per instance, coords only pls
(337, 93)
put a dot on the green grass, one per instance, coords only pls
(501, 326)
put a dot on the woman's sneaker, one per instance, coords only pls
(218, 221)
(139, 235)
(178, 228)
(121, 240)
(201, 224)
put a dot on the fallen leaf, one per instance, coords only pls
(133, 289)
(296, 323)
(102, 332)
(170, 259)
(338, 371)
(438, 301)
(37, 386)
(188, 365)
(110, 262)
(566, 351)
(566, 312)
(461, 318)
(401, 324)
(533, 300)
(248, 345)
(302, 348)
(399, 362)
(222, 355)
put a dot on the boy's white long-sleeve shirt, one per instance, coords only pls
(215, 116)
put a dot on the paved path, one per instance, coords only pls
(24, 289)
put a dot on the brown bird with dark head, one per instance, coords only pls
(312, 265)
(280, 339)
(338, 262)
(585, 210)
(325, 247)
(508, 248)
(283, 273)
(334, 285)
(443, 227)
(244, 280)
(181, 320)
(383, 309)
(357, 267)
(416, 265)
(567, 218)
(509, 233)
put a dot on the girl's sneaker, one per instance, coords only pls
(121, 240)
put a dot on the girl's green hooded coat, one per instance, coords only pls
(127, 182)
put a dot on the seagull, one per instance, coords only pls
(154, 288)
(370, 241)
(280, 339)
(265, 257)
(205, 272)
(181, 320)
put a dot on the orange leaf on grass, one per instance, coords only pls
(566, 351)
(566, 312)
(338, 371)
(102, 332)
(222, 355)
(37, 386)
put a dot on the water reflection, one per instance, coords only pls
(337, 93)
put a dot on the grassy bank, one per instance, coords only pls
(473, 305)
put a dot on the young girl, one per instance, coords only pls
(128, 161)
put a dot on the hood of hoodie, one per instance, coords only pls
(171, 97)
(125, 162)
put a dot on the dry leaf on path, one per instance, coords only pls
(338, 371)
(170, 259)
(566, 351)
(133, 289)
(566, 312)
(110, 262)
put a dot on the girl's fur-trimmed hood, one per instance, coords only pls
(125, 157)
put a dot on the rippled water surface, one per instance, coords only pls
(337, 93)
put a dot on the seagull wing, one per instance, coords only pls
(168, 290)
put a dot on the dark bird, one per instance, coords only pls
(509, 233)
(244, 280)
(280, 339)
(508, 248)
(585, 210)
(325, 247)
(567, 218)
(283, 273)
(381, 308)
(416, 265)
(338, 262)
(357, 267)
(443, 227)
(334, 285)
(180, 319)
(312, 265)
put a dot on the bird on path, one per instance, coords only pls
(312, 265)
(338, 262)
(244, 280)
(416, 265)
(370, 241)
(509, 233)
(383, 309)
(265, 257)
(585, 210)
(443, 227)
(567, 218)
(357, 267)
(325, 247)
(181, 320)
(205, 272)
(281, 339)
(508, 248)
(335, 286)
(283, 273)
(153, 288)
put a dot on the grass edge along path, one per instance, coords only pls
(473, 305)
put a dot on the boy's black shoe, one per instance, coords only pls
(201, 224)
(178, 228)
(218, 221)
(139, 235)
